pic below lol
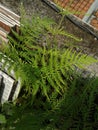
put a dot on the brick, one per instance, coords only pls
(96, 14)
(94, 21)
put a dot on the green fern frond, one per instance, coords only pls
(41, 67)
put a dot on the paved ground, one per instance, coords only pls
(88, 45)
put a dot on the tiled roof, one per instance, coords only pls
(78, 7)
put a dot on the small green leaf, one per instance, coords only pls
(2, 119)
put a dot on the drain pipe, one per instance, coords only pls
(54, 7)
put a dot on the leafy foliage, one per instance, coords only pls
(42, 66)
(48, 71)
(77, 109)
(2, 119)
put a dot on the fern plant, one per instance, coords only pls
(42, 66)
(78, 108)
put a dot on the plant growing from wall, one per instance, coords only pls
(35, 57)
(48, 70)
(77, 109)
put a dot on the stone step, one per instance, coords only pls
(9, 13)
(8, 20)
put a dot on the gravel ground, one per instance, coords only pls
(89, 44)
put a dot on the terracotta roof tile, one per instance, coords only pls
(94, 20)
(78, 7)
